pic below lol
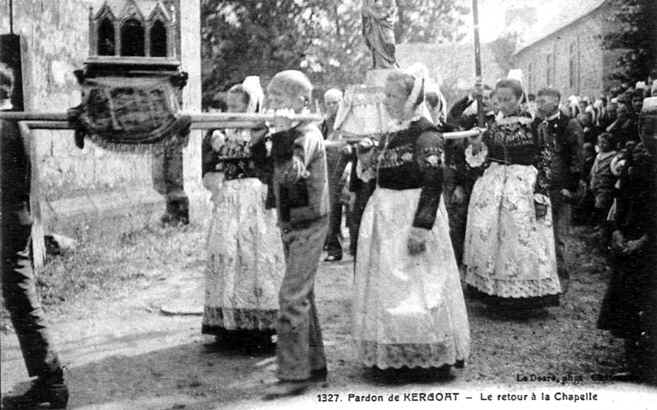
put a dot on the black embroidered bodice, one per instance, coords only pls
(233, 158)
(513, 141)
(410, 159)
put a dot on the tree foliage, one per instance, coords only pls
(323, 38)
(247, 37)
(429, 20)
(503, 48)
(633, 33)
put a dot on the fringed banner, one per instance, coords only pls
(129, 114)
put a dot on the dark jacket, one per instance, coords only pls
(629, 307)
(299, 179)
(624, 131)
(563, 136)
(15, 175)
(457, 172)
(590, 134)
(411, 159)
(457, 120)
(326, 127)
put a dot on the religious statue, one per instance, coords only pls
(378, 19)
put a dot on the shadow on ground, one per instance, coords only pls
(184, 376)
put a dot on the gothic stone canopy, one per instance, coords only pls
(133, 29)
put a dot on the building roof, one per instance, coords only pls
(145, 7)
(575, 11)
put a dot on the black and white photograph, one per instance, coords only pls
(314, 204)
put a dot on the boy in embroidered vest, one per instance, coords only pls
(302, 200)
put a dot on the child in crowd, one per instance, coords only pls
(589, 130)
(585, 203)
(602, 178)
(300, 184)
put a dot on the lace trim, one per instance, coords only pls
(241, 318)
(475, 161)
(512, 288)
(411, 355)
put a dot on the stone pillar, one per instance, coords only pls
(190, 57)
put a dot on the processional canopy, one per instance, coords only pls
(132, 81)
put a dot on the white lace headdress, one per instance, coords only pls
(420, 74)
(256, 96)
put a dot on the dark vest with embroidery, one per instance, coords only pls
(397, 162)
(513, 143)
(412, 159)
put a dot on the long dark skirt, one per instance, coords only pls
(629, 311)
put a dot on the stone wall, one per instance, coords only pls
(573, 56)
(55, 34)
(452, 65)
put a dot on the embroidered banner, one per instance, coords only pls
(129, 114)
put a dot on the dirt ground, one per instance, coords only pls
(105, 305)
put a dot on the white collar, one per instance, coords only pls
(504, 120)
(554, 116)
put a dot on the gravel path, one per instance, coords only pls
(121, 352)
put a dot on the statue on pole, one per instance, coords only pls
(378, 30)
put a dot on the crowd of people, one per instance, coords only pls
(421, 210)
(428, 216)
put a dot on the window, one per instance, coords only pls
(158, 39)
(572, 66)
(548, 70)
(132, 38)
(106, 44)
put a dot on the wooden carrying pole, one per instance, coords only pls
(204, 121)
(477, 56)
(200, 121)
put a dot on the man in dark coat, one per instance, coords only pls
(629, 308)
(564, 136)
(336, 163)
(361, 187)
(18, 280)
(458, 179)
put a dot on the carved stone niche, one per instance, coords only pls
(134, 38)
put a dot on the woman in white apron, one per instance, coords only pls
(509, 253)
(408, 308)
(245, 252)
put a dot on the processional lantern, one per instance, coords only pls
(132, 81)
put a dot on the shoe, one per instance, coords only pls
(260, 343)
(177, 213)
(174, 220)
(318, 375)
(49, 389)
(287, 389)
(333, 258)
